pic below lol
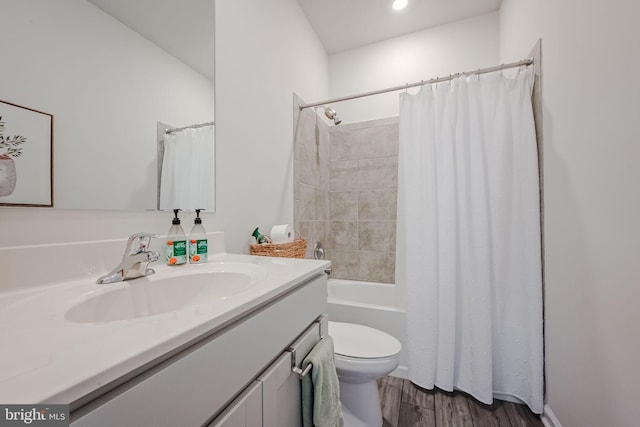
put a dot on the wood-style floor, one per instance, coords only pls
(406, 405)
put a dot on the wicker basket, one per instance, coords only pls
(295, 249)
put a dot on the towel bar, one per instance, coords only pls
(302, 373)
(318, 327)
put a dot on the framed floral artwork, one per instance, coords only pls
(26, 156)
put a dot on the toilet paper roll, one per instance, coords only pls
(282, 234)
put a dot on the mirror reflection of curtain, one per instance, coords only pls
(187, 180)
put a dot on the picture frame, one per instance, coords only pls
(26, 156)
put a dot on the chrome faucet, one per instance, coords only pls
(135, 261)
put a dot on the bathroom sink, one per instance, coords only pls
(159, 293)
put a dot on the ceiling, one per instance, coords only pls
(346, 24)
(184, 28)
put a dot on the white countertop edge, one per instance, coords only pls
(108, 372)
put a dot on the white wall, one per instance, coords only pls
(106, 87)
(265, 53)
(592, 201)
(460, 46)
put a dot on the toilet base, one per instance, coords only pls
(360, 404)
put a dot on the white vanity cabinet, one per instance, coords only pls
(274, 399)
(281, 387)
(239, 375)
(245, 411)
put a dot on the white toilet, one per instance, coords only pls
(362, 355)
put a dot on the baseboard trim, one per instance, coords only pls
(549, 418)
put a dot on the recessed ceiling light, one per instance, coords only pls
(399, 4)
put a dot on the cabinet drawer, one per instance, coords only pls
(281, 387)
(245, 411)
(191, 387)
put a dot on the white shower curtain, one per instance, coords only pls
(187, 179)
(469, 246)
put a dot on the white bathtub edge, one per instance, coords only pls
(333, 300)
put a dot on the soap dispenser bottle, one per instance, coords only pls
(198, 244)
(176, 248)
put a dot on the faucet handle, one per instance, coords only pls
(138, 242)
(153, 256)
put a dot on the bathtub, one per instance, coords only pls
(371, 304)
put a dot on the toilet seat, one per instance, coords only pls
(354, 370)
(359, 342)
(366, 360)
(362, 355)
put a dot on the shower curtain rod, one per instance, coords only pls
(168, 131)
(524, 62)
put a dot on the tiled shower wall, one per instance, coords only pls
(346, 180)
(363, 189)
(311, 178)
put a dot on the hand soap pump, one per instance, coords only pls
(176, 248)
(198, 244)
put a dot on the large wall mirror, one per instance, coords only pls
(114, 74)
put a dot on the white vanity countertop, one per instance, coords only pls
(48, 359)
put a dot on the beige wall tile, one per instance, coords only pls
(378, 173)
(322, 230)
(322, 204)
(324, 156)
(310, 164)
(345, 193)
(306, 204)
(376, 266)
(305, 133)
(343, 175)
(344, 264)
(393, 228)
(312, 232)
(343, 235)
(376, 235)
(377, 141)
(342, 147)
(377, 204)
(343, 205)
(393, 204)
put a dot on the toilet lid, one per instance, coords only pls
(363, 342)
